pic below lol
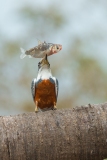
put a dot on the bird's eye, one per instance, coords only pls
(39, 64)
(57, 47)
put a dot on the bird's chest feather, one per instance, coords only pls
(45, 93)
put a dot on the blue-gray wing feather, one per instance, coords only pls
(57, 88)
(33, 88)
(53, 79)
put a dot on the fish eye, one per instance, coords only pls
(57, 47)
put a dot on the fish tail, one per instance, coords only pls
(30, 56)
(23, 53)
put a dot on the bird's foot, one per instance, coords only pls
(36, 108)
(55, 107)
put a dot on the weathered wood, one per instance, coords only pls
(70, 134)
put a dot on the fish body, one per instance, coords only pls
(41, 50)
(44, 88)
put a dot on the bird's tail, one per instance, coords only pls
(23, 53)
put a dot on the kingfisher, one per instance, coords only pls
(44, 88)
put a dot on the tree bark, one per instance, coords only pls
(69, 134)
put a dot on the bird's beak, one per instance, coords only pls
(46, 57)
(44, 61)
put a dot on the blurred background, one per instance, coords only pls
(80, 26)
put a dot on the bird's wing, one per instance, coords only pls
(33, 88)
(56, 86)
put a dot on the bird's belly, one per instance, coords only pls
(45, 94)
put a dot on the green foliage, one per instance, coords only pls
(11, 48)
(42, 17)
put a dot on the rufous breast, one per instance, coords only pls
(45, 94)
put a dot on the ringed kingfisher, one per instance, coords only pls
(44, 88)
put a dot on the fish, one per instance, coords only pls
(41, 50)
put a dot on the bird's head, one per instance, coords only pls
(44, 63)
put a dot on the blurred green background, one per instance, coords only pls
(80, 26)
